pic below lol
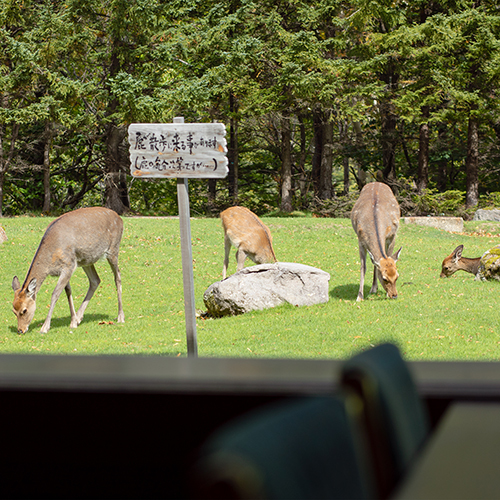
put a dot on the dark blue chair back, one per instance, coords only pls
(392, 415)
(299, 449)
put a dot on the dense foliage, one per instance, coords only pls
(317, 97)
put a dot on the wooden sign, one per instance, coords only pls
(167, 150)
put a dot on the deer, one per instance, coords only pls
(251, 237)
(76, 239)
(375, 219)
(455, 262)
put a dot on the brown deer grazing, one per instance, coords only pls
(76, 239)
(375, 219)
(455, 262)
(250, 236)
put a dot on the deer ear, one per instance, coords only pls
(457, 253)
(15, 284)
(395, 257)
(376, 264)
(32, 288)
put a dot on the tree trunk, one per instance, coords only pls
(116, 192)
(303, 185)
(46, 166)
(318, 151)
(326, 188)
(343, 129)
(388, 121)
(423, 153)
(116, 164)
(232, 150)
(286, 165)
(388, 140)
(345, 164)
(405, 148)
(212, 193)
(5, 162)
(442, 162)
(360, 147)
(472, 163)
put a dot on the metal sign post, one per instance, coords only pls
(187, 266)
(180, 150)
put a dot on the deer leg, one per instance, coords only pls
(113, 262)
(67, 289)
(93, 284)
(227, 249)
(62, 282)
(374, 287)
(240, 259)
(362, 256)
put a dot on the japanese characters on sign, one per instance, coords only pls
(178, 150)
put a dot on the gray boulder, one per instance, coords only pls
(487, 215)
(490, 265)
(452, 224)
(267, 285)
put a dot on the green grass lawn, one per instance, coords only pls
(433, 318)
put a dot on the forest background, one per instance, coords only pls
(317, 98)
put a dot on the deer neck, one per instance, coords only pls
(470, 265)
(37, 270)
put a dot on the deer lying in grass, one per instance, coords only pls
(250, 236)
(455, 262)
(76, 239)
(375, 219)
(483, 268)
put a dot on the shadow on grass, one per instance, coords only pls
(350, 292)
(345, 292)
(64, 321)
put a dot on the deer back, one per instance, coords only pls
(375, 219)
(77, 238)
(247, 232)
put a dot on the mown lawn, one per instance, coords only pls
(433, 318)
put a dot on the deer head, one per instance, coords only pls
(24, 305)
(450, 263)
(387, 272)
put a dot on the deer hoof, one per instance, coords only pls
(75, 322)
